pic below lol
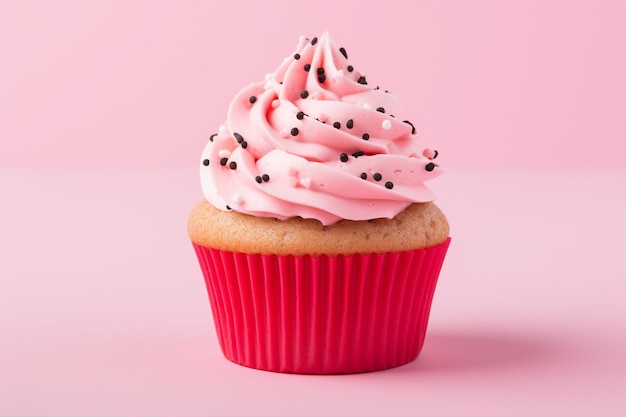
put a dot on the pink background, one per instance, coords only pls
(106, 106)
(494, 84)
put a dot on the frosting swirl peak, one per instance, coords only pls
(315, 140)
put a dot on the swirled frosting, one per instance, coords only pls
(315, 140)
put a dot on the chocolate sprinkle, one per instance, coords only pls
(206, 162)
(228, 207)
(252, 99)
(381, 109)
(244, 144)
(321, 78)
(313, 41)
(213, 137)
(350, 124)
(358, 153)
(238, 137)
(343, 52)
(436, 154)
(296, 56)
(378, 177)
(232, 165)
(410, 124)
(430, 166)
(366, 136)
(265, 177)
(223, 161)
(320, 71)
(307, 67)
(294, 131)
(389, 185)
(336, 125)
(362, 80)
(363, 176)
(343, 157)
(258, 179)
(350, 68)
(304, 94)
(300, 115)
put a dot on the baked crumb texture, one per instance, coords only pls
(419, 226)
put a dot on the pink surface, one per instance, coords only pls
(490, 83)
(103, 309)
(105, 108)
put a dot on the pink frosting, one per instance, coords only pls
(315, 140)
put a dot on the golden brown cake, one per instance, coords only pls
(420, 225)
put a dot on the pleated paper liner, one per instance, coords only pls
(321, 315)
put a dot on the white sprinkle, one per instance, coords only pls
(223, 129)
(386, 124)
(305, 182)
(367, 106)
(224, 153)
(275, 103)
(236, 199)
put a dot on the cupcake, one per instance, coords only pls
(319, 243)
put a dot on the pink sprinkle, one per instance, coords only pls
(429, 153)
(305, 182)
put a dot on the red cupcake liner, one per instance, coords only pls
(321, 315)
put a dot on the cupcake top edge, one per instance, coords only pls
(316, 140)
(419, 226)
